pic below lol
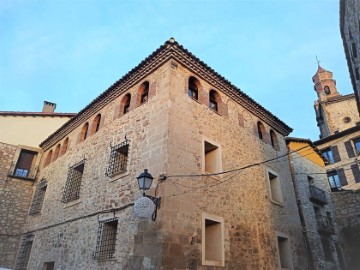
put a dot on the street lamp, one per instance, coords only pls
(145, 180)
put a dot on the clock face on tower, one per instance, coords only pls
(327, 90)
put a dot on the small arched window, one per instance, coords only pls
(84, 132)
(194, 86)
(56, 153)
(143, 92)
(261, 131)
(274, 140)
(48, 158)
(96, 124)
(327, 90)
(214, 99)
(125, 104)
(64, 147)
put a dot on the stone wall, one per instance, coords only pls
(347, 204)
(166, 135)
(302, 169)
(15, 197)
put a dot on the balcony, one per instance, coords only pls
(317, 195)
(325, 225)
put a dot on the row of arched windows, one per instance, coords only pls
(193, 92)
(58, 152)
(262, 135)
(142, 97)
(94, 128)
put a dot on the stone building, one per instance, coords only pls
(350, 34)
(220, 166)
(339, 124)
(315, 206)
(20, 155)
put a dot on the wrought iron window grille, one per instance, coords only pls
(23, 257)
(118, 159)
(38, 199)
(106, 239)
(73, 182)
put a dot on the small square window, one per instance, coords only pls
(73, 182)
(213, 240)
(106, 241)
(118, 159)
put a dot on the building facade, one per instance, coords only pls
(350, 34)
(316, 210)
(220, 166)
(20, 157)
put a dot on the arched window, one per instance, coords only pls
(194, 86)
(56, 153)
(84, 131)
(64, 147)
(327, 90)
(261, 131)
(214, 99)
(143, 93)
(125, 104)
(274, 140)
(48, 158)
(96, 124)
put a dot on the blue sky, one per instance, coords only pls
(68, 52)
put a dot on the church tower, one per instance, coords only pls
(334, 112)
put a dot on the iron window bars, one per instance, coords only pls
(106, 239)
(24, 252)
(118, 159)
(38, 198)
(73, 182)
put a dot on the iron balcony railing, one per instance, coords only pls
(325, 225)
(317, 195)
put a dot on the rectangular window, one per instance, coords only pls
(24, 163)
(23, 257)
(106, 240)
(357, 75)
(334, 180)
(327, 153)
(49, 266)
(284, 252)
(354, 50)
(73, 182)
(275, 188)
(357, 145)
(38, 199)
(212, 158)
(118, 159)
(213, 240)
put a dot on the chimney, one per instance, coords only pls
(49, 107)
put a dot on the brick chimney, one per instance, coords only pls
(49, 107)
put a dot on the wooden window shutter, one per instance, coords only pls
(349, 149)
(342, 177)
(336, 155)
(356, 172)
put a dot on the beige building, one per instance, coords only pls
(220, 166)
(20, 155)
(350, 28)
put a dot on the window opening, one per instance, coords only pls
(24, 252)
(327, 90)
(357, 145)
(56, 153)
(213, 240)
(73, 182)
(275, 187)
(65, 146)
(327, 153)
(48, 158)
(354, 50)
(84, 131)
(261, 131)
(38, 199)
(212, 158)
(193, 90)
(334, 180)
(125, 104)
(106, 239)
(24, 163)
(213, 104)
(96, 124)
(144, 92)
(49, 266)
(274, 140)
(357, 75)
(284, 252)
(118, 159)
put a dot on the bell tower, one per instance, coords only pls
(324, 84)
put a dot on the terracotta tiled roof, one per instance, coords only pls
(169, 50)
(43, 114)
